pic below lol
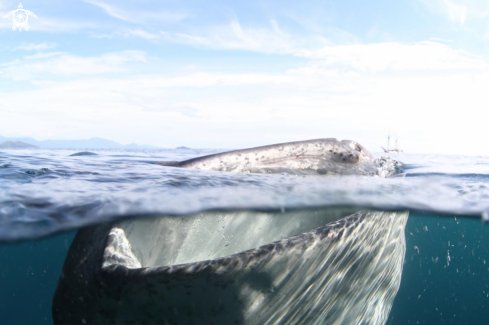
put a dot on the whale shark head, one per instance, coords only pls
(311, 157)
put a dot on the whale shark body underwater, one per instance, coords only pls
(314, 266)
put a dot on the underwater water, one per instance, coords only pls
(44, 192)
(29, 273)
(445, 279)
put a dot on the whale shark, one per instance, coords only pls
(311, 157)
(308, 266)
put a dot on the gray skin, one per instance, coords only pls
(241, 267)
(319, 156)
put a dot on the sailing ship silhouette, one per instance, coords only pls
(395, 149)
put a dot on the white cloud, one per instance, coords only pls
(209, 109)
(111, 11)
(455, 12)
(57, 63)
(234, 37)
(395, 56)
(289, 106)
(69, 22)
(35, 46)
(451, 9)
(459, 11)
(141, 33)
(56, 25)
(127, 33)
(137, 16)
(43, 55)
(51, 25)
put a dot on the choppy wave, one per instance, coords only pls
(44, 191)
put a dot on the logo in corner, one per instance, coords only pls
(20, 17)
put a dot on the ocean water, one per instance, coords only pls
(45, 195)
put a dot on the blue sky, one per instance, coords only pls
(233, 74)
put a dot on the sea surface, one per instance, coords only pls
(46, 195)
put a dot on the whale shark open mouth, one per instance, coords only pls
(316, 266)
(170, 241)
(174, 270)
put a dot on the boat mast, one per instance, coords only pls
(388, 141)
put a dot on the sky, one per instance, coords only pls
(236, 74)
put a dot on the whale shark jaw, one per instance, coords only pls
(152, 271)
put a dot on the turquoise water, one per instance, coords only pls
(436, 289)
(29, 273)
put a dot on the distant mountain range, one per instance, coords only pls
(16, 145)
(92, 143)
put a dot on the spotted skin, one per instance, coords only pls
(320, 156)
